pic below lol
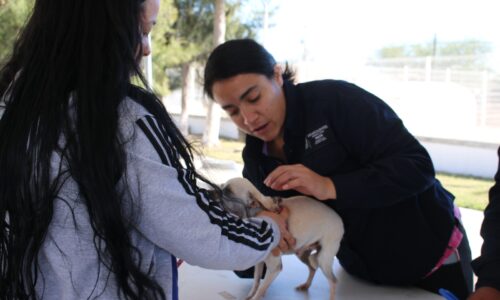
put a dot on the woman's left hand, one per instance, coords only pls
(303, 180)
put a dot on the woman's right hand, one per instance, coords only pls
(287, 241)
(302, 179)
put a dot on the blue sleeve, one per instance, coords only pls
(393, 165)
(487, 266)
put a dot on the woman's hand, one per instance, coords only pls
(287, 241)
(485, 293)
(303, 180)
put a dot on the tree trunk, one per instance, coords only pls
(265, 23)
(186, 94)
(219, 23)
(211, 133)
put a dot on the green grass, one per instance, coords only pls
(227, 149)
(469, 192)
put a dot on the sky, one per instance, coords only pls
(347, 32)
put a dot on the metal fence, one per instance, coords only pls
(470, 72)
(448, 97)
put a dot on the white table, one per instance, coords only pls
(196, 284)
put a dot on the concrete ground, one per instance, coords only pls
(197, 283)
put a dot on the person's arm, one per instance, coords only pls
(181, 218)
(393, 165)
(487, 265)
(302, 179)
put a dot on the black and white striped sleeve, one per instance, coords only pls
(178, 216)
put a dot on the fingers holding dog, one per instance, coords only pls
(302, 179)
(286, 236)
(287, 241)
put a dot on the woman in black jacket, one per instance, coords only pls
(340, 144)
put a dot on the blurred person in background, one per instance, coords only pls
(487, 265)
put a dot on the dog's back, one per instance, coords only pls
(311, 221)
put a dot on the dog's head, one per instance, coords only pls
(242, 198)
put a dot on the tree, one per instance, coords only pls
(448, 52)
(186, 43)
(13, 15)
(160, 54)
(455, 48)
(466, 47)
(190, 39)
(211, 133)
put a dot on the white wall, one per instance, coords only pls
(462, 157)
(197, 126)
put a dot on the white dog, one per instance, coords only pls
(316, 228)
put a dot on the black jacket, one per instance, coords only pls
(397, 216)
(487, 266)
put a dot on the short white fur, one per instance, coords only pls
(317, 229)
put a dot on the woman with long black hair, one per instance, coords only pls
(98, 191)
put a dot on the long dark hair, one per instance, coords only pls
(239, 56)
(70, 69)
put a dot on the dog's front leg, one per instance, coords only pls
(257, 274)
(274, 266)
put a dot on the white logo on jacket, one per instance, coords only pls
(316, 137)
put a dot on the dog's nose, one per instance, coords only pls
(277, 199)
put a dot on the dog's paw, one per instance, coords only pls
(250, 296)
(302, 287)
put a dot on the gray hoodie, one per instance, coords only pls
(175, 219)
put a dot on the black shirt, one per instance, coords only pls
(397, 216)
